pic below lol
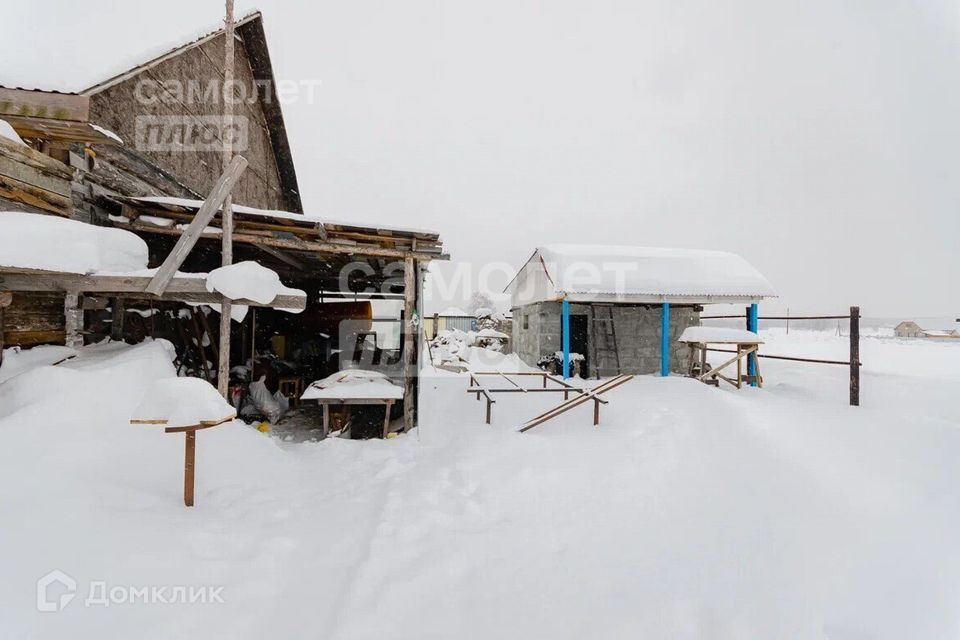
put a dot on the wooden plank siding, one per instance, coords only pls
(34, 179)
(44, 104)
(33, 318)
(117, 107)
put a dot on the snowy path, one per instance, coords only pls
(690, 512)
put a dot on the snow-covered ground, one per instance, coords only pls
(690, 512)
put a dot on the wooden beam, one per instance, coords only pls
(299, 245)
(282, 257)
(193, 231)
(190, 290)
(59, 130)
(44, 104)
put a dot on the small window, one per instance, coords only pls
(526, 321)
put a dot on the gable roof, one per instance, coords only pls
(67, 77)
(611, 273)
(95, 68)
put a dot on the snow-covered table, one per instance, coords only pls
(184, 405)
(354, 387)
(746, 342)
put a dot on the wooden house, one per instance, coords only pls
(99, 154)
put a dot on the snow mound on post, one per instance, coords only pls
(249, 281)
(51, 243)
(182, 402)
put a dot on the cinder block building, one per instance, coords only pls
(616, 301)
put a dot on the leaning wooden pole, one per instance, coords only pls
(854, 356)
(226, 134)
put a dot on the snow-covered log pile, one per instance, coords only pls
(453, 346)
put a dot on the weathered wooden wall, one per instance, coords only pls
(33, 181)
(33, 318)
(117, 108)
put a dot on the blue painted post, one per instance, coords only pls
(565, 320)
(665, 340)
(753, 323)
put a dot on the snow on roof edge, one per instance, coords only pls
(125, 64)
(195, 204)
(625, 271)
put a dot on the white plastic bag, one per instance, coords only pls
(264, 401)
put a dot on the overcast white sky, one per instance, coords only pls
(820, 139)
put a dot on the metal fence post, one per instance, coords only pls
(665, 340)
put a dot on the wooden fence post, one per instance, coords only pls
(409, 341)
(73, 319)
(854, 356)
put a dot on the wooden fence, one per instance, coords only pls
(853, 362)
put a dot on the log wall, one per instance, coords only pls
(33, 318)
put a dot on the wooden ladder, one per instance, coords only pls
(605, 359)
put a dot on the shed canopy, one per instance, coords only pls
(611, 273)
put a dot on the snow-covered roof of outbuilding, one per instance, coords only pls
(614, 273)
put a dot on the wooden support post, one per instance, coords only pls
(565, 336)
(386, 419)
(6, 299)
(854, 356)
(189, 466)
(596, 411)
(409, 345)
(326, 419)
(489, 404)
(226, 225)
(116, 324)
(739, 368)
(73, 317)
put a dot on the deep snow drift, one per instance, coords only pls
(690, 512)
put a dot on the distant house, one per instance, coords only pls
(910, 329)
(617, 298)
